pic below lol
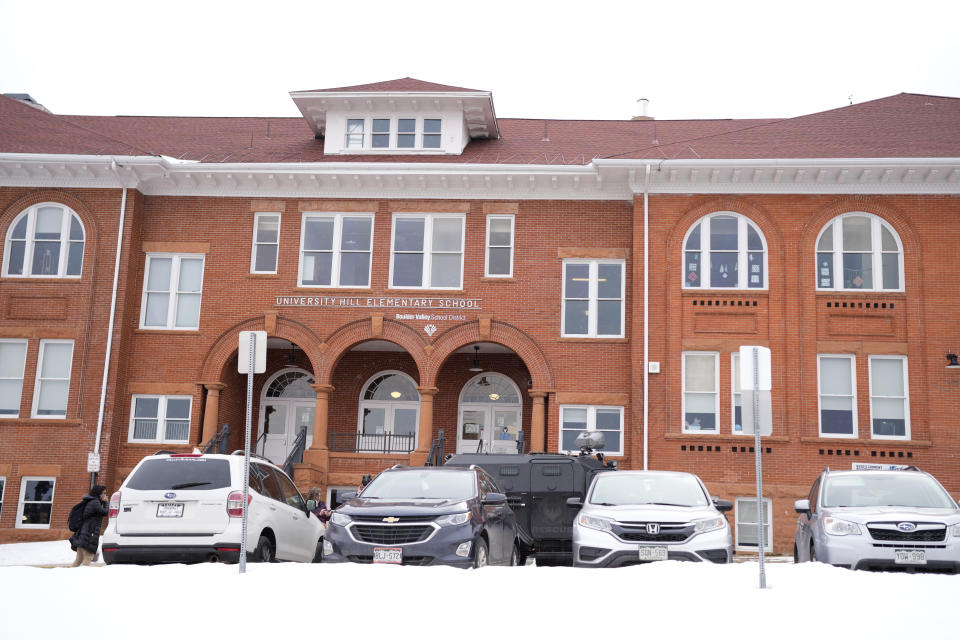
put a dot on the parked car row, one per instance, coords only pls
(561, 509)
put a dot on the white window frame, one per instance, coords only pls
(419, 133)
(905, 397)
(347, 133)
(256, 244)
(716, 391)
(336, 249)
(592, 425)
(38, 381)
(65, 222)
(173, 291)
(734, 384)
(161, 418)
(592, 300)
(876, 251)
(853, 389)
(743, 222)
(489, 246)
(768, 527)
(427, 251)
(3, 490)
(18, 524)
(23, 366)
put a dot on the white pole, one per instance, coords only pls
(246, 454)
(756, 446)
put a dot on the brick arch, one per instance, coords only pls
(340, 341)
(225, 346)
(501, 333)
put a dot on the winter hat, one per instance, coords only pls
(97, 490)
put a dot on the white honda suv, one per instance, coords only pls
(187, 507)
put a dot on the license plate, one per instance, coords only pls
(909, 556)
(387, 555)
(170, 510)
(653, 553)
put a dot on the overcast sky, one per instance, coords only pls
(589, 59)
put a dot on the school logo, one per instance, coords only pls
(430, 329)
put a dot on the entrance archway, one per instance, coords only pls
(286, 404)
(389, 413)
(489, 415)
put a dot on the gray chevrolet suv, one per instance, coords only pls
(890, 520)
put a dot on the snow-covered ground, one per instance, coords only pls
(668, 599)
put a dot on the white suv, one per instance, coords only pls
(178, 507)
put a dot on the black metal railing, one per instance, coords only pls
(296, 452)
(435, 456)
(257, 448)
(219, 442)
(371, 442)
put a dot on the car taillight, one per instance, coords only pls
(114, 505)
(235, 504)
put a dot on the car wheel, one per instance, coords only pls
(264, 551)
(318, 556)
(480, 556)
(514, 556)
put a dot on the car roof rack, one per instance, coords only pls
(240, 452)
(165, 452)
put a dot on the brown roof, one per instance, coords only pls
(904, 125)
(400, 84)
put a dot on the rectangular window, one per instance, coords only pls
(836, 376)
(431, 133)
(746, 521)
(427, 251)
(593, 295)
(36, 502)
(381, 133)
(406, 133)
(737, 409)
(335, 250)
(172, 286)
(13, 356)
(160, 419)
(354, 135)
(701, 397)
(499, 246)
(52, 387)
(266, 243)
(889, 397)
(574, 420)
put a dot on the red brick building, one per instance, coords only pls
(420, 265)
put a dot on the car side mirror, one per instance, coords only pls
(494, 499)
(722, 505)
(575, 501)
(802, 506)
(347, 495)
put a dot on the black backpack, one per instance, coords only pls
(75, 520)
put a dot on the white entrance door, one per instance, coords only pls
(286, 405)
(489, 416)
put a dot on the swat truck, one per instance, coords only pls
(537, 486)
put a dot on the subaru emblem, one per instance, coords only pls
(653, 528)
(169, 495)
(907, 526)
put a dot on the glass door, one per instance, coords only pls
(504, 430)
(473, 430)
(273, 428)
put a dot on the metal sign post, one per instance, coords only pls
(253, 360)
(755, 382)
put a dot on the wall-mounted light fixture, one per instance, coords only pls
(952, 361)
(476, 359)
(292, 357)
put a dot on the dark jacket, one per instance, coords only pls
(88, 537)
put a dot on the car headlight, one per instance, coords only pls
(340, 519)
(593, 522)
(955, 530)
(838, 527)
(453, 519)
(708, 524)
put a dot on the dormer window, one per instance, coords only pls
(394, 133)
(431, 133)
(354, 133)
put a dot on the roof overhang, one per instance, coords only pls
(477, 106)
(598, 180)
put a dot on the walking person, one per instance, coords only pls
(87, 538)
(316, 505)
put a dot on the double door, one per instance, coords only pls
(388, 426)
(280, 420)
(488, 429)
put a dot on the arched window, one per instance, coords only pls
(291, 384)
(859, 252)
(724, 250)
(45, 241)
(389, 413)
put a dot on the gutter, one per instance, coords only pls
(646, 315)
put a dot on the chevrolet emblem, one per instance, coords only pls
(391, 519)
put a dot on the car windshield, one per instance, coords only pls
(624, 488)
(446, 485)
(885, 490)
(196, 474)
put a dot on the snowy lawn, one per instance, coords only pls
(666, 599)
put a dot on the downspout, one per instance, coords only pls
(113, 310)
(646, 316)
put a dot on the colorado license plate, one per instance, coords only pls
(653, 553)
(909, 556)
(387, 555)
(170, 510)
